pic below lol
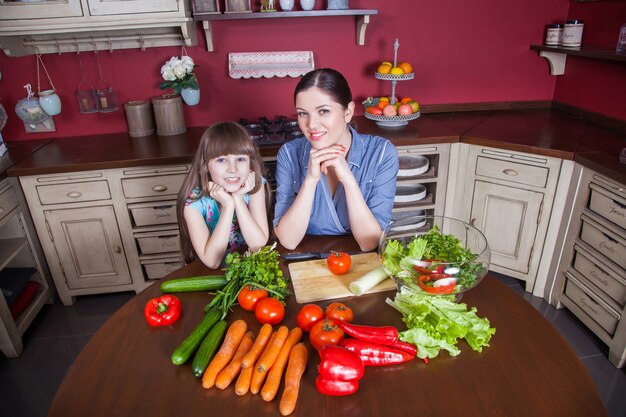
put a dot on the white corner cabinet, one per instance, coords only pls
(108, 230)
(21, 263)
(51, 26)
(591, 280)
(509, 196)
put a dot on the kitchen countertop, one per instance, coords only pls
(545, 132)
(17, 152)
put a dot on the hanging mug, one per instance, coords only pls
(50, 102)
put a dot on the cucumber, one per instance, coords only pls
(191, 343)
(204, 283)
(208, 348)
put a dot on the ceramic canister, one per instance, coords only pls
(287, 5)
(573, 33)
(307, 4)
(50, 102)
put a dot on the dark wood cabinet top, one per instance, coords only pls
(546, 132)
(17, 151)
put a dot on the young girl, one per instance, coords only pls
(222, 203)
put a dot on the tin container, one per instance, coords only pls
(573, 33)
(554, 34)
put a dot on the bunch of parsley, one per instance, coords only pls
(260, 269)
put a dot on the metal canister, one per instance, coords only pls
(554, 34)
(573, 33)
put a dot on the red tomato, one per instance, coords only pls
(269, 310)
(339, 311)
(339, 263)
(249, 296)
(325, 332)
(308, 316)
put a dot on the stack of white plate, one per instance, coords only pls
(408, 193)
(412, 165)
(419, 215)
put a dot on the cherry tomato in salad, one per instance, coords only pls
(249, 296)
(339, 262)
(270, 311)
(325, 332)
(339, 311)
(308, 316)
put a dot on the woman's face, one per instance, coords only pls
(322, 120)
(229, 171)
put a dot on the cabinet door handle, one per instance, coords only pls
(117, 249)
(74, 194)
(159, 188)
(473, 222)
(510, 172)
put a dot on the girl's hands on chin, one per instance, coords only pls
(248, 185)
(220, 195)
(319, 160)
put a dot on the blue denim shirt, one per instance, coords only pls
(374, 163)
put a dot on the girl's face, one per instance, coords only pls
(322, 120)
(229, 171)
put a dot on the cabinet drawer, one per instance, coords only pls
(152, 186)
(512, 171)
(606, 242)
(8, 201)
(608, 205)
(74, 192)
(149, 214)
(158, 242)
(600, 275)
(591, 304)
(156, 269)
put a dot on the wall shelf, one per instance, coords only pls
(362, 18)
(557, 55)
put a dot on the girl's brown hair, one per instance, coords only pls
(225, 138)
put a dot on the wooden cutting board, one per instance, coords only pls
(312, 281)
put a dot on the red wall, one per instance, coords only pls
(599, 86)
(462, 52)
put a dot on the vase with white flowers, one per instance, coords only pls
(178, 75)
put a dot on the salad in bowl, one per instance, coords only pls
(439, 256)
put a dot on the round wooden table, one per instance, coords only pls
(529, 370)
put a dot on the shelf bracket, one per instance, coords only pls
(556, 61)
(208, 34)
(361, 25)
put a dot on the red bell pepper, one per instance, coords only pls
(383, 335)
(444, 289)
(162, 311)
(373, 354)
(340, 364)
(407, 347)
(333, 387)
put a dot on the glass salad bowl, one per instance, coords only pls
(434, 255)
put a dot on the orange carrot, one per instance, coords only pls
(226, 375)
(265, 362)
(222, 358)
(243, 382)
(297, 364)
(275, 374)
(255, 351)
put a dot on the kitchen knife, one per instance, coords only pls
(303, 256)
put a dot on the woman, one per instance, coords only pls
(334, 180)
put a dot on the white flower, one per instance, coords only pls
(167, 73)
(187, 63)
(179, 71)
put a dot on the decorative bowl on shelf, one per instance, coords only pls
(437, 256)
(387, 121)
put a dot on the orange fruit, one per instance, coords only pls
(382, 104)
(384, 68)
(396, 71)
(406, 100)
(406, 67)
(373, 110)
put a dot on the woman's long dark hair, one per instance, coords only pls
(225, 138)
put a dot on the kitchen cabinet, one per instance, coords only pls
(509, 197)
(107, 230)
(429, 186)
(591, 280)
(86, 25)
(22, 268)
